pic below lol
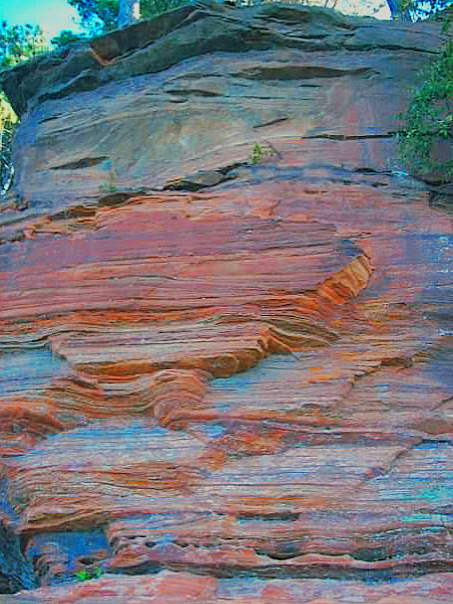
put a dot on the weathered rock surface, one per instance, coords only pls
(226, 317)
(196, 88)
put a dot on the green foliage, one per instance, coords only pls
(7, 113)
(429, 118)
(101, 16)
(261, 152)
(66, 37)
(19, 43)
(108, 188)
(85, 574)
(257, 154)
(96, 16)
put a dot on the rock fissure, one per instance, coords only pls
(346, 137)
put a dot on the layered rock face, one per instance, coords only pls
(225, 322)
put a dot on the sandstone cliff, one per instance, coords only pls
(225, 318)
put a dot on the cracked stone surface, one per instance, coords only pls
(225, 319)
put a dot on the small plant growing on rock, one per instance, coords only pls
(260, 152)
(85, 574)
(107, 188)
(429, 118)
(257, 154)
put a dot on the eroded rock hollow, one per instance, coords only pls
(226, 327)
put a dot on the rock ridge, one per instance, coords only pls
(153, 46)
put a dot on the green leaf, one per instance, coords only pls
(429, 116)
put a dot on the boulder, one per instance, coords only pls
(195, 89)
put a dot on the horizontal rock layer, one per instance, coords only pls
(225, 318)
(207, 83)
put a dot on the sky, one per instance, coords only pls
(56, 15)
(52, 15)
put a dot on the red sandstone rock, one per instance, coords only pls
(246, 373)
(183, 587)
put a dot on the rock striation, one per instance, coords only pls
(225, 317)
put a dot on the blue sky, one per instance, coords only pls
(51, 15)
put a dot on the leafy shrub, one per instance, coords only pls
(429, 118)
(261, 152)
(89, 573)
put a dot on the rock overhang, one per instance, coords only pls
(166, 40)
